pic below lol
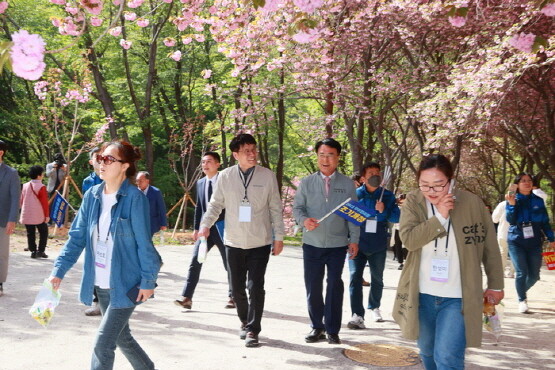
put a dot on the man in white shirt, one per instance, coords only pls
(205, 187)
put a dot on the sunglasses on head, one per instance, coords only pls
(107, 159)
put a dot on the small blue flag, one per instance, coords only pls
(58, 210)
(355, 212)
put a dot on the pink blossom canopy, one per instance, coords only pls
(27, 55)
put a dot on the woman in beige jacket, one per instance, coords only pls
(440, 294)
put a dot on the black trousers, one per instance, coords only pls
(31, 238)
(247, 268)
(399, 252)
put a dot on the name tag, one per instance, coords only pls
(245, 212)
(371, 225)
(440, 270)
(528, 231)
(100, 254)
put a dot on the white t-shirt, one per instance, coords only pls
(452, 287)
(102, 274)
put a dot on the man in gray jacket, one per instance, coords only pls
(325, 243)
(10, 188)
(253, 222)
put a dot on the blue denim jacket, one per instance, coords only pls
(134, 259)
(374, 242)
(528, 208)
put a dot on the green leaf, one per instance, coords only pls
(542, 3)
(539, 42)
(452, 11)
(462, 12)
(5, 61)
(258, 3)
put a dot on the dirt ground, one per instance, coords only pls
(206, 336)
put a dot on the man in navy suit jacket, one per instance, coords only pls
(205, 186)
(158, 220)
(10, 188)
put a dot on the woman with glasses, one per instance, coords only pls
(449, 235)
(121, 264)
(529, 222)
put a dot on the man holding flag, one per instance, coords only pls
(326, 239)
(373, 242)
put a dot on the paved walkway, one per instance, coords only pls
(206, 337)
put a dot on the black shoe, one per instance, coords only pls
(42, 255)
(33, 254)
(400, 267)
(334, 339)
(26, 249)
(251, 340)
(315, 335)
(243, 331)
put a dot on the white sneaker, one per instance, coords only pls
(376, 315)
(509, 274)
(523, 306)
(356, 322)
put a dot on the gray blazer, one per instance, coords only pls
(311, 201)
(10, 188)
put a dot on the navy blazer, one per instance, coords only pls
(201, 206)
(10, 188)
(157, 209)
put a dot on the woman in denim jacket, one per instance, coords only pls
(121, 264)
(529, 222)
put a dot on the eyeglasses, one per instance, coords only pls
(437, 188)
(248, 151)
(107, 159)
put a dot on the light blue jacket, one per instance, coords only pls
(311, 201)
(134, 259)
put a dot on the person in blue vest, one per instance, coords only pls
(93, 178)
(372, 244)
(158, 220)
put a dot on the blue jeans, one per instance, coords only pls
(114, 331)
(442, 340)
(376, 261)
(195, 267)
(527, 262)
(316, 260)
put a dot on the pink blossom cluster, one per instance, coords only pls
(308, 6)
(306, 37)
(129, 16)
(41, 89)
(116, 31)
(66, 26)
(169, 41)
(176, 55)
(92, 6)
(523, 41)
(99, 134)
(125, 44)
(58, 2)
(548, 10)
(27, 55)
(143, 22)
(271, 5)
(457, 21)
(135, 3)
(96, 22)
(3, 6)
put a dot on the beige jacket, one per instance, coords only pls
(263, 194)
(476, 245)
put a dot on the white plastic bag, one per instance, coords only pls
(46, 302)
(202, 250)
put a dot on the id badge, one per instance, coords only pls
(371, 225)
(100, 254)
(528, 231)
(440, 270)
(245, 212)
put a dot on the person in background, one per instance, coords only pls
(356, 179)
(253, 223)
(158, 220)
(121, 264)
(372, 245)
(325, 243)
(56, 173)
(94, 177)
(90, 181)
(529, 221)
(536, 189)
(34, 212)
(449, 236)
(210, 164)
(399, 253)
(499, 216)
(9, 208)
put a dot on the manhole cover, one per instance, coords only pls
(382, 355)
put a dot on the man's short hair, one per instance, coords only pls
(3, 146)
(214, 155)
(238, 141)
(35, 171)
(370, 165)
(145, 173)
(328, 142)
(93, 152)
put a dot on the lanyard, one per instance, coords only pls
(246, 181)
(447, 237)
(98, 228)
(528, 209)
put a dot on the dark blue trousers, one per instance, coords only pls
(195, 267)
(324, 315)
